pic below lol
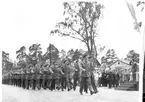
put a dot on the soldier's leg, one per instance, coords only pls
(27, 84)
(18, 82)
(110, 83)
(93, 84)
(69, 84)
(117, 83)
(38, 84)
(82, 82)
(53, 84)
(63, 83)
(43, 83)
(86, 86)
(48, 83)
(89, 85)
(75, 84)
(32, 82)
(59, 84)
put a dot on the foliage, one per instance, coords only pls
(133, 56)
(110, 57)
(52, 53)
(7, 65)
(81, 22)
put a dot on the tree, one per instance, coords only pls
(52, 53)
(21, 53)
(133, 56)
(5, 58)
(7, 64)
(35, 50)
(21, 57)
(81, 22)
(110, 57)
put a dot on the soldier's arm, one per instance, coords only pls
(50, 69)
(72, 67)
(61, 71)
(80, 66)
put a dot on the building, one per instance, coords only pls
(124, 68)
(121, 66)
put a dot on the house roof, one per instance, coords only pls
(123, 61)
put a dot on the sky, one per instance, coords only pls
(25, 22)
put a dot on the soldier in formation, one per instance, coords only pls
(66, 75)
(87, 76)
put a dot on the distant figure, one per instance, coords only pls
(96, 74)
(99, 79)
(117, 78)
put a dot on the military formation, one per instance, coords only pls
(66, 75)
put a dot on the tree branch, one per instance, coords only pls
(64, 34)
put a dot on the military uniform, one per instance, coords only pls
(64, 77)
(85, 77)
(76, 76)
(46, 82)
(110, 79)
(117, 78)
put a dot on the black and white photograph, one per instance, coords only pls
(72, 51)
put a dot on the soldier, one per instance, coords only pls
(70, 71)
(99, 79)
(92, 69)
(27, 77)
(113, 80)
(76, 75)
(104, 79)
(45, 80)
(58, 75)
(117, 78)
(37, 71)
(63, 76)
(33, 78)
(19, 78)
(12, 78)
(22, 79)
(110, 79)
(41, 77)
(54, 74)
(85, 75)
(47, 76)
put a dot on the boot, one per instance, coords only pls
(91, 92)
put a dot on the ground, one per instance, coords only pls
(15, 94)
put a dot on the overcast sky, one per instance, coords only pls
(25, 22)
